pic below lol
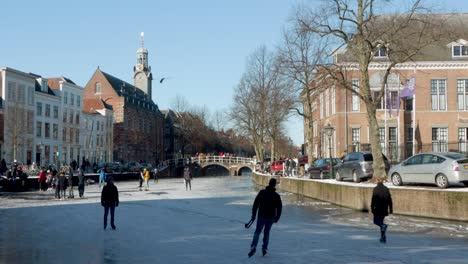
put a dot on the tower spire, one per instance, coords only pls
(142, 36)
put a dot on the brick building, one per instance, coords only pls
(138, 122)
(434, 119)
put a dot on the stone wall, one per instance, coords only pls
(444, 204)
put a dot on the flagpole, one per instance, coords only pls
(398, 120)
(385, 121)
(414, 112)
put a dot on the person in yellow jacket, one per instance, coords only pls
(146, 177)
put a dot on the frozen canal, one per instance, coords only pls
(171, 225)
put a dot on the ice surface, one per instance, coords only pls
(206, 225)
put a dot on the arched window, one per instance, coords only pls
(97, 88)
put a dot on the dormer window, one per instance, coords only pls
(459, 50)
(381, 53)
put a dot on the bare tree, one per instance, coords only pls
(18, 127)
(300, 55)
(354, 26)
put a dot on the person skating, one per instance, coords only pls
(269, 206)
(62, 181)
(42, 180)
(102, 177)
(71, 195)
(81, 183)
(109, 200)
(188, 178)
(146, 177)
(381, 206)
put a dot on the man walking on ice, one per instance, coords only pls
(381, 206)
(269, 206)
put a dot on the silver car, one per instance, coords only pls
(441, 168)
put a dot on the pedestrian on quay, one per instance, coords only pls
(381, 206)
(61, 186)
(81, 182)
(188, 178)
(71, 195)
(109, 200)
(102, 177)
(269, 206)
(146, 177)
(156, 175)
(42, 180)
(142, 179)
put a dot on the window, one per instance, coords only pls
(47, 130)
(327, 103)
(71, 135)
(65, 116)
(77, 119)
(409, 140)
(462, 139)
(30, 95)
(382, 139)
(78, 101)
(55, 131)
(72, 99)
(391, 97)
(333, 100)
(381, 52)
(65, 97)
(354, 98)
(39, 129)
(56, 112)
(77, 136)
(355, 138)
(438, 95)
(462, 94)
(39, 108)
(409, 103)
(97, 88)
(439, 139)
(11, 91)
(459, 50)
(47, 110)
(392, 143)
(321, 106)
(64, 134)
(71, 117)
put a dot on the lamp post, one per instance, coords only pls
(328, 129)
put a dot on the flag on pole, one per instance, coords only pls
(409, 88)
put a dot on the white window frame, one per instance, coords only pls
(321, 106)
(438, 98)
(439, 139)
(463, 50)
(327, 102)
(355, 100)
(333, 103)
(462, 94)
(382, 52)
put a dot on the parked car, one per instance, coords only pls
(440, 168)
(147, 165)
(113, 167)
(132, 166)
(277, 167)
(320, 168)
(358, 166)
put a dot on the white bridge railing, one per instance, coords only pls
(204, 160)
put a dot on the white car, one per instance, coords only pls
(440, 168)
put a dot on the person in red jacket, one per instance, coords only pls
(42, 180)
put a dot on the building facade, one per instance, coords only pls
(138, 123)
(435, 118)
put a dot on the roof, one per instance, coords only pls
(54, 83)
(92, 104)
(132, 94)
(404, 40)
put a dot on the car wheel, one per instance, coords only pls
(442, 181)
(356, 178)
(396, 179)
(465, 183)
(321, 175)
(338, 176)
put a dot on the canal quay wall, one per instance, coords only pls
(451, 203)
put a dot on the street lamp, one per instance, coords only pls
(328, 129)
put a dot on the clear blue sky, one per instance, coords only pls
(201, 45)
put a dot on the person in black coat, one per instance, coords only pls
(109, 200)
(269, 206)
(381, 206)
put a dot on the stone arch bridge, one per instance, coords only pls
(234, 165)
